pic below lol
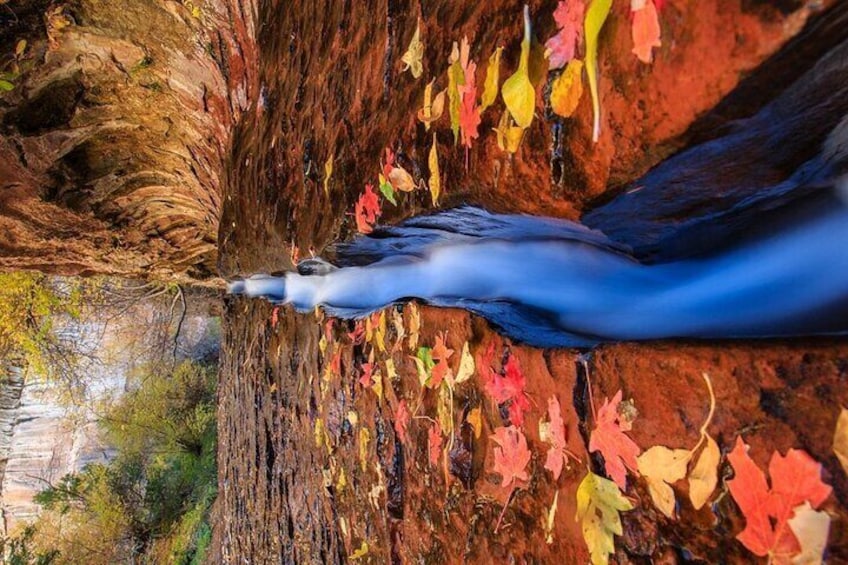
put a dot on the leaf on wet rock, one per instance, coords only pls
(328, 173)
(703, 477)
(549, 520)
(466, 365)
(275, 316)
(469, 113)
(361, 552)
(433, 107)
(509, 136)
(424, 364)
(511, 455)
(365, 379)
(401, 180)
(456, 78)
(812, 528)
(367, 210)
(596, 15)
(510, 388)
(402, 419)
(414, 325)
(434, 443)
(599, 504)
(645, 29)
(441, 369)
(490, 85)
(795, 479)
(552, 432)
(412, 59)
(517, 91)
(475, 418)
(608, 437)
(840, 439)
(562, 47)
(364, 440)
(567, 89)
(435, 179)
(387, 190)
(661, 467)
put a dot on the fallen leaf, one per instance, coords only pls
(509, 136)
(433, 108)
(456, 78)
(401, 180)
(434, 443)
(466, 365)
(596, 15)
(703, 477)
(361, 552)
(275, 316)
(511, 455)
(364, 440)
(469, 113)
(561, 48)
(414, 54)
(840, 439)
(510, 388)
(475, 418)
(379, 324)
(811, 527)
(490, 85)
(441, 369)
(568, 89)
(619, 451)
(367, 210)
(424, 363)
(549, 520)
(402, 419)
(20, 47)
(435, 180)
(391, 372)
(599, 502)
(645, 30)
(517, 91)
(553, 432)
(365, 379)
(795, 478)
(414, 325)
(341, 483)
(387, 190)
(328, 173)
(358, 333)
(661, 467)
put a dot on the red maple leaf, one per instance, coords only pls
(367, 210)
(608, 437)
(434, 443)
(484, 366)
(795, 479)
(402, 418)
(358, 333)
(510, 387)
(336, 364)
(569, 19)
(469, 113)
(365, 379)
(645, 29)
(511, 455)
(440, 369)
(389, 164)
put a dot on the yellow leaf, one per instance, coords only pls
(20, 47)
(361, 552)
(840, 440)
(414, 325)
(435, 181)
(380, 333)
(391, 372)
(490, 86)
(456, 78)
(599, 502)
(662, 466)
(397, 323)
(341, 483)
(433, 108)
(509, 136)
(444, 409)
(466, 365)
(414, 54)
(364, 439)
(704, 475)
(401, 180)
(322, 344)
(549, 520)
(812, 529)
(568, 89)
(353, 418)
(328, 172)
(596, 15)
(475, 418)
(319, 432)
(517, 92)
(423, 376)
(377, 384)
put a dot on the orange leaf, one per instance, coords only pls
(402, 418)
(441, 369)
(275, 316)
(469, 113)
(367, 210)
(795, 479)
(434, 443)
(511, 455)
(646, 31)
(555, 436)
(608, 437)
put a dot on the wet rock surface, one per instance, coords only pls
(298, 483)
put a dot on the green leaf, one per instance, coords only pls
(596, 15)
(387, 190)
(6, 86)
(518, 92)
